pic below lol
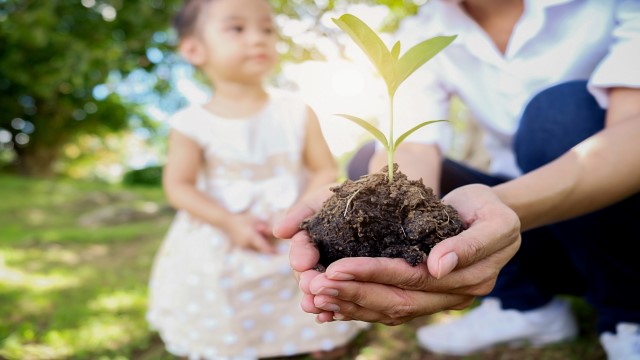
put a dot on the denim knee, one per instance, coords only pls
(555, 120)
(359, 164)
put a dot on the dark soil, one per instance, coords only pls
(370, 217)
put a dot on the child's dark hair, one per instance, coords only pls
(186, 19)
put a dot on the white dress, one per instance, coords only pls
(211, 300)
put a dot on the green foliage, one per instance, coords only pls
(149, 176)
(52, 57)
(393, 69)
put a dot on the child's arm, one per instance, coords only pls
(317, 157)
(179, 182)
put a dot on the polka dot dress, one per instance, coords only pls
(211, 300)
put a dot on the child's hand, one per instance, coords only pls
(266, 230)
(246, 231)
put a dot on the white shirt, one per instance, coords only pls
(554, 41)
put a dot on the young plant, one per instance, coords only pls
(393, 69)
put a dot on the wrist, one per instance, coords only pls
(227, 221)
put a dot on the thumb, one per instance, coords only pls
(287, 226)
(481, 239)
(460, 250)
(444, 265)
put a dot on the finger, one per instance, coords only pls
(341, 317)
(477, 279)
(388, 299)
(296, 274)
(325, 316)
(478, 241)
(307, 305)
(474, 244)
(396, 272)
(389, 312)
(463, 305)
(303, 255)
(326, 303)
(474, 280)
(349, 309)
(260, 226)
(263, 245)
(306, 277)
(264, 230)
(286, 227)
(289, 225)
(397, 303)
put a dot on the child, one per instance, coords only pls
(221, 286)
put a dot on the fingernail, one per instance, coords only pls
(327, 291)
(340, 276)
(446, 264)
(329, 307)
(338, 316)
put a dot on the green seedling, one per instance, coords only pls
(394, 69)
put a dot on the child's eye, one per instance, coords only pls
(237, 28)
(269, 30)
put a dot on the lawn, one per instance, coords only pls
(74, 264)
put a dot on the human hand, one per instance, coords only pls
(303, 255)
(249, 232)
(392, 292)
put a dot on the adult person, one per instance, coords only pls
(553, 85)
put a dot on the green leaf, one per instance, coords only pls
(370, 128)
(372, 46)
(395, 51)
(419, 55)
(412, 130)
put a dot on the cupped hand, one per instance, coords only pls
(392, 292)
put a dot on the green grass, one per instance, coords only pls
(73, 291)
(68, 291)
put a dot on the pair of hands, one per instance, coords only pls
(392, 292)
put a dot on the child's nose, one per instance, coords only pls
(259, 36)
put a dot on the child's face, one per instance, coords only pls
(238, 39)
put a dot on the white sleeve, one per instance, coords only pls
(422, 97)
(621, 66)
(189, 124)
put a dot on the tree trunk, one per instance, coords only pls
(36, 161)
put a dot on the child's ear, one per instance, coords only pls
(192, 49)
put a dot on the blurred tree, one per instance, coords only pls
(57, 59)
(53, 54)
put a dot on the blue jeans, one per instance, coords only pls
(596, 255)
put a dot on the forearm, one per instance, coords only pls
(317, 158)
(188, 198)
(596, 173)
(417, 161)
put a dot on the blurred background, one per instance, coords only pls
(86, 87)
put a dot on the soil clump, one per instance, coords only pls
(371, 217)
